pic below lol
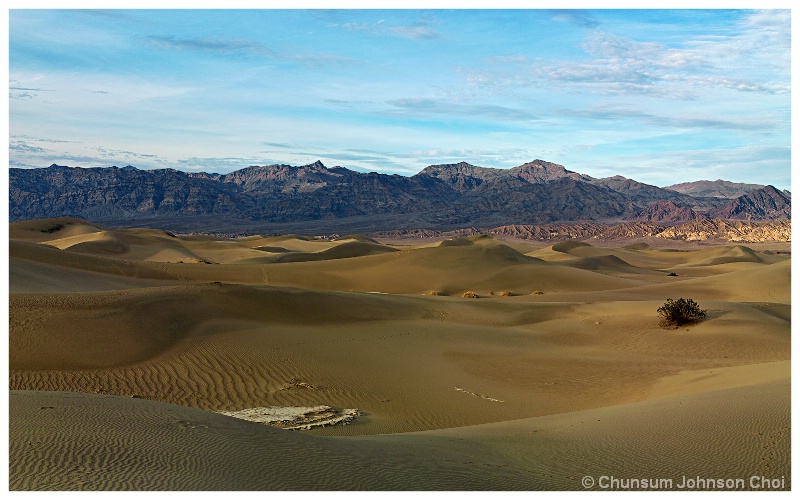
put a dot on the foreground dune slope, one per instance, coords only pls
(410, 363)
(98, 442)
(558, 369)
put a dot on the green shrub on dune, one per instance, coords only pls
(680, 312)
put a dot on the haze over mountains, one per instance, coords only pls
(440, 197)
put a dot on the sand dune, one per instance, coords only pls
(344, 250)
(40, 230)
(156, 446)
(508, 391)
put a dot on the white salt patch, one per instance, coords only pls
(296, 417)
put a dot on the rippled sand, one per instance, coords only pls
(501, 392)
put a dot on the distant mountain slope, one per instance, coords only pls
(288, 197)
(643, 193)
(762, 204)
(718, 188)
(115, 193)
(666, 211)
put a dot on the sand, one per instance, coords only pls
(126, 344)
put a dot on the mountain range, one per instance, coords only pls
(313, 197)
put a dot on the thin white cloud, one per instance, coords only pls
(422, 29)
(755, 124)
(577, 17)
(448, 109)
(238, 47)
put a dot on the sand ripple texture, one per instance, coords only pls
(73, 441)
(516, 390)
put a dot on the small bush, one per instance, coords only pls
(537, 292)
(672, 274)
(680, 312)
(505, 293)
(433, 293)
(470, 295)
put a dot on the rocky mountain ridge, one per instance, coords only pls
(718, 188)
(439, 197)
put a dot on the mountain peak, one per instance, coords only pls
(445, 195)
(459, 167)
(765, 203)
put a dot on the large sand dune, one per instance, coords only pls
(511, 390)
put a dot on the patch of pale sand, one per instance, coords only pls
(549, 255)
(609, 263)
(76, 239)
(39, 230)
(730, 252)
(714, 379)
(174, 255)
(752, 283)
(227, 254)
(260, 240)
(73, 441)
(75, 271)
(295, 417)
(768, 283)
(300, 245)
(701, 271)
(658, 259)
(635, 258)
(149, 233)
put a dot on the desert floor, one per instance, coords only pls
(125, 344)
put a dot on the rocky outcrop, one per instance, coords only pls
(667, 212)
(730, 230)
(717, 189)
(699, 230)
(646, 194)
(548, 231)
(764, 203)
(630, 230)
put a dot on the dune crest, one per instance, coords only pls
(558, 355)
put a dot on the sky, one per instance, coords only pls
(659, 96)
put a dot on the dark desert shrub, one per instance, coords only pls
(470, 295)
(680, 312)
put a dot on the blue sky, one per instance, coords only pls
(660, 96)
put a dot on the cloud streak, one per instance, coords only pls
(580, 18)
(615, 113)
(446, 110)
(238, 47)
(421, 29)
